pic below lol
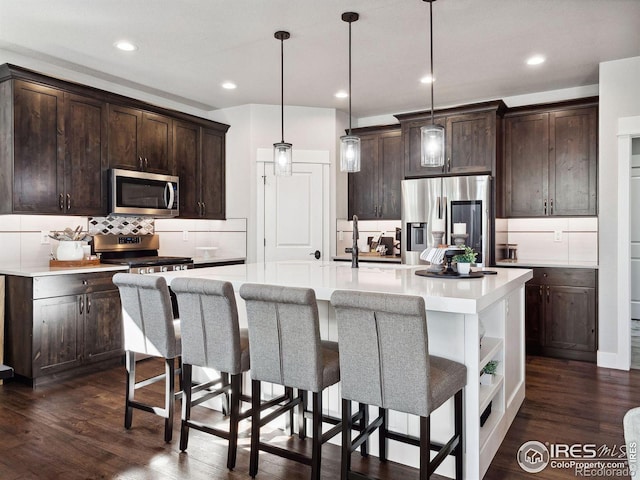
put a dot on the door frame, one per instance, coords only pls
(628, 129)
(264, 159)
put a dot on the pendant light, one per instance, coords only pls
(282, 150)
(431, 136)
(350, 144)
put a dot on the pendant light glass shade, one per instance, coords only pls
(431, 136)
(432, 146)
(350, 144)
(350, 153)
(282, 159)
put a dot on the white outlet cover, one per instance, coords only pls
(557, 236)
(185, 235)
(44, 237)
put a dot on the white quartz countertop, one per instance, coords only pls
(44, 270)
(546, 263)
(470, 295)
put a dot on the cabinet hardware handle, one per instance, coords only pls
(200, 208)
(81, 305)
(545, 206)
(140, 163)
(84, 282)
(375, 210)
(146, 163)
(204, 209)
(88, 305)
(547, 294)
(380, 211)
(551, 206)
(449, 164)
(61, 201)
(68, 201)
(541, 288)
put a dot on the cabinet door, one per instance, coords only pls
(186, 144)
(155, 143)
(85, 156)
(124, 131)
(391, 173)
(364, 185)
(471, 143)
(570, 318)
(526, 157)
(572, 175)
(56, 345)
(212, 174)
(412, 151)
(38, 168)
(534, 295)
(102, 326)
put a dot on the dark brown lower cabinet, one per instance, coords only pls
(561, 313)
(62, 325)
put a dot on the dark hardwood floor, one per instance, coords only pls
(73, 430)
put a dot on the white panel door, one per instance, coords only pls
(635, 236)
(294, 216)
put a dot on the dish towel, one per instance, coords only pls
(433, 255)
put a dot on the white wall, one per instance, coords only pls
(259, 126)
(619, 97)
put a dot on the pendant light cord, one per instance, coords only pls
(282, 86)
(431, 54)
(349, 78)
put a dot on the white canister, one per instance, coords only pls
(69, 250)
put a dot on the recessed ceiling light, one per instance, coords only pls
(427, 79)
(342, 94)
(125, 46)
(535, 60)
(229, 85)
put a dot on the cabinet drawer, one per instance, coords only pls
(573, 277)
(58, 285)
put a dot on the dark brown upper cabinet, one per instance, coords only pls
(550, 160)
(200, 154)
(55, 144)
(472, 136)
(140, 140)
(374, 191)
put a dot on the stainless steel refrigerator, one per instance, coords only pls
(451, 199)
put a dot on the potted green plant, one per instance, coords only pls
(487, 373)
(464, 260)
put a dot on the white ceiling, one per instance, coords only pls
(188, 48)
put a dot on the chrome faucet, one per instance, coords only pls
(354, 248)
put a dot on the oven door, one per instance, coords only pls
(142, 193)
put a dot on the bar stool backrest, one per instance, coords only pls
(384, 350)
(208, 324)
(147, 315)
(284, 335)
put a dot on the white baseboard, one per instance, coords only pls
(611, 360)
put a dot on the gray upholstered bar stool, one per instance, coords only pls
(149, 328)
(284, 337)
(211, 338)
(385, 361)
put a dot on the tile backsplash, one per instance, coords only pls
(563, 239)
(24, 242)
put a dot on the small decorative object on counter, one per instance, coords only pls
(464, 260)
(489, 370)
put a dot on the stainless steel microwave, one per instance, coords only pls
(142, 193)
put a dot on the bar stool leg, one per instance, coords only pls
(316, 455)
(302, 424)
(364, 423)
(225, 397)
(288, 424)
(345, 464)
(130, 365)
(170, 383)
(236, 389)
(425, 450)
(382, 435)
(458, 432)
(186, 405)
(255, 427)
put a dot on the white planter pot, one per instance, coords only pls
(486, 379)
(464, 268)
(68, 250)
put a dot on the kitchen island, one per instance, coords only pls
(459, 312)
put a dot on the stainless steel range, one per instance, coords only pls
(139, 252)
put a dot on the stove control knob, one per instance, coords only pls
(163, 269)
(141, 271)
(151, 270)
